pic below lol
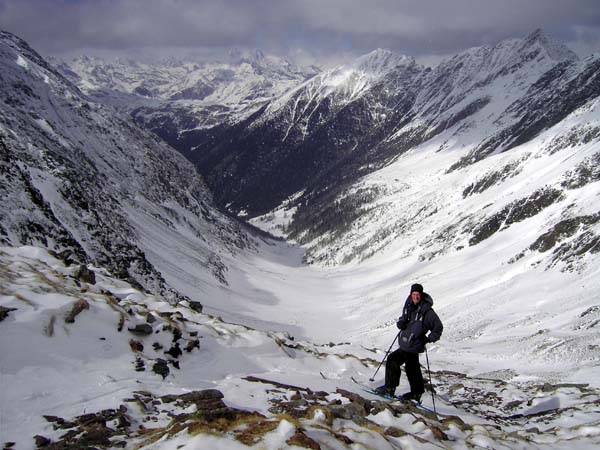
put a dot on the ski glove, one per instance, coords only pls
(401, 324)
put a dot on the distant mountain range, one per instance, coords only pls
(478, 178)
(274, 139)
(174, 96)
(309, 149)
(269, 136)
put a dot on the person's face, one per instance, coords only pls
(416, 297)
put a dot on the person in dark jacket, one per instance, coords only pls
(419, 325)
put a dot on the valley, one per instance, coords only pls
(204, 256)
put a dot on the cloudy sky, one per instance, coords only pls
(319, 31)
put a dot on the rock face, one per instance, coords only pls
(310, 151)
(142, 329)
(4, 312)
(349, 121)
(84, 274)
(84, 181)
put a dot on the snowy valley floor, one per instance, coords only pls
(268, 364)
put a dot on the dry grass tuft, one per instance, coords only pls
(302, 440)
(26, 301)
(250, 435)
(79, 306)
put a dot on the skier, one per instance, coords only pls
(418, 318)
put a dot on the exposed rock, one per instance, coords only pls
(79, 306)
(59, 422)
(492, 178)
(586, 172)
(140, 366)
(41, 441)
(196, 306)
(352, 411)
(202, 399)
(142, 329)
(89, 431)
(121, 322)
(254, 379)
(177, 334)
(67, 256)
(82, 273)
(191, 345)
(96, 434)
(161, 368)
(299, 439)
(516, 211)
(174, 351)
(438, 433)
(562, 230)
(136, 346)
(4, 312)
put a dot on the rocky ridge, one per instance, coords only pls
(84, 181)
(174, 96)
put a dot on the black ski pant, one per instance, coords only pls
(412, 367)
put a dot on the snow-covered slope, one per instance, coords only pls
(496, 209)
(174, 96)
(506, 244)
(100, 364)
(79, 179)
(344, 124)
(340, 85)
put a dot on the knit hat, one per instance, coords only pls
(416, 288)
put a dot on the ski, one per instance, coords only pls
(372, 391)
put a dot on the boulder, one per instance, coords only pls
(161, 368)
(136, 346)
(196, 306)
(142, 329)
(82, 273)
(4, 312)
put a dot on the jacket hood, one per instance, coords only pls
(425, 299)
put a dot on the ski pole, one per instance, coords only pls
(430, 384)
(386, 353)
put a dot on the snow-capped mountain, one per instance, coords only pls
(317, 143)
(85, 182)
(174, 96)
(101, 354)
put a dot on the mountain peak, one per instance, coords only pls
(380, 61)
(553, 48)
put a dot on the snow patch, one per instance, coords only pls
(22, 62)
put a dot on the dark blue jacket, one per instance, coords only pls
(416, 322)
